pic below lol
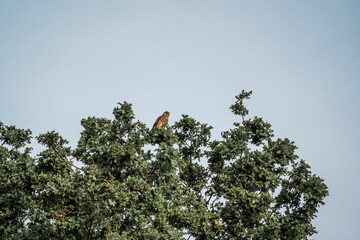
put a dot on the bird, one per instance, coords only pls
(162, 120)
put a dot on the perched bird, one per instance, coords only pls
(162, 120)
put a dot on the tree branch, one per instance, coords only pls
(65, 160)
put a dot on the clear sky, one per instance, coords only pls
(61, 61)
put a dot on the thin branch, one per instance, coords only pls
(65, 160)
(207, 202)
(212, 204)
(203, 185)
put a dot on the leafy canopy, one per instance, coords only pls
(172, 183)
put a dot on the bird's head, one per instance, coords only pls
(166, 113)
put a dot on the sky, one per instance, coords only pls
(61, 61)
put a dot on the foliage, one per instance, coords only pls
(172, 183)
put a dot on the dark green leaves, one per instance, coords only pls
(12, 136)
(238, 108)
(124, 114)
(169, 183)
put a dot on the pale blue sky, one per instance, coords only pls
(61, 61)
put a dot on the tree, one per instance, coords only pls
(172, 183)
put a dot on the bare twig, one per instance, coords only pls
(207, 202)
(212, 204)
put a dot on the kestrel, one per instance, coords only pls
(162, 120)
